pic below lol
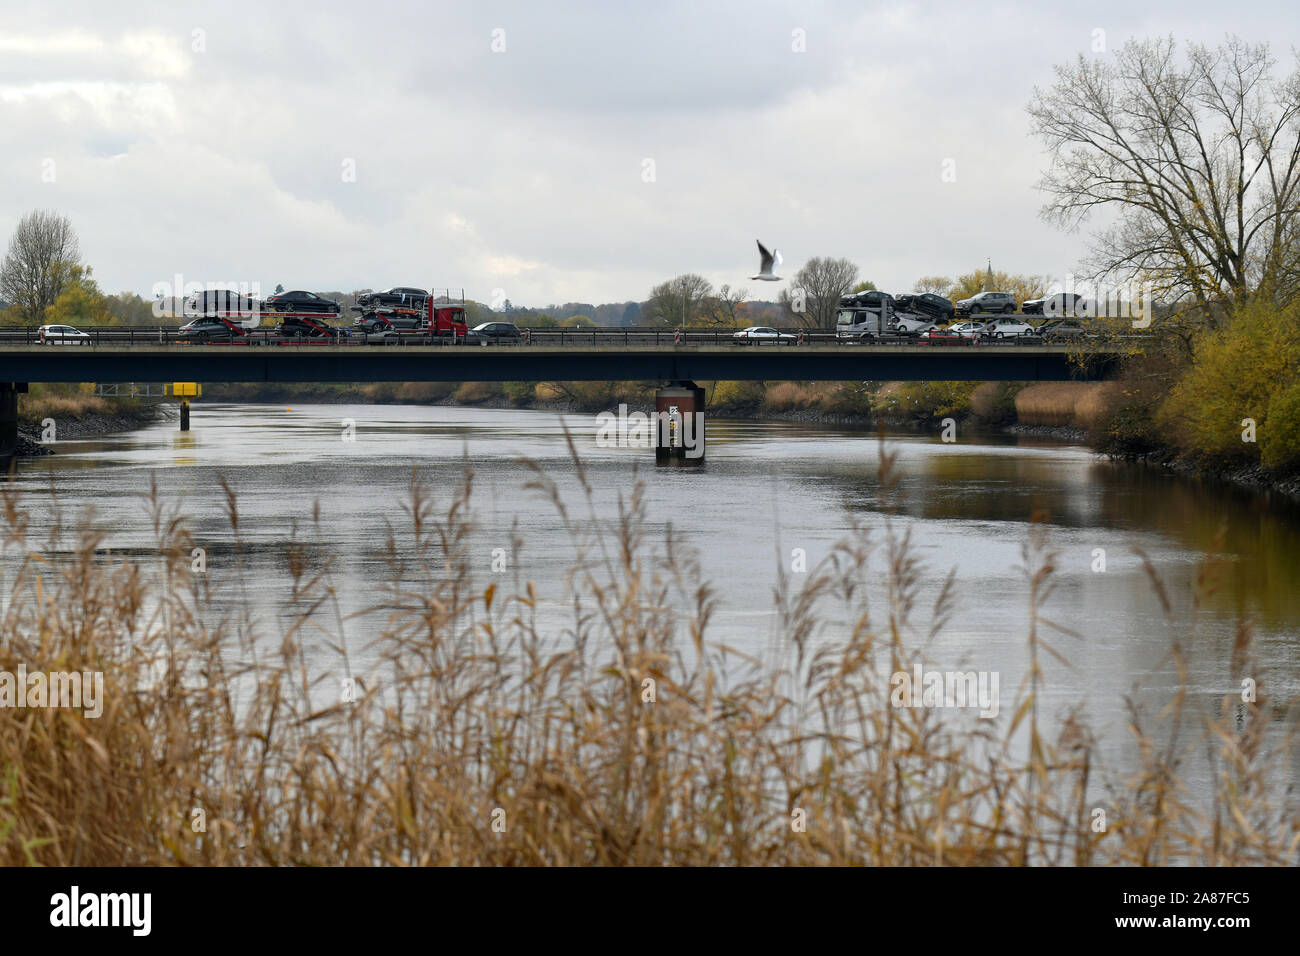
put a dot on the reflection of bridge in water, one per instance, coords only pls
(151, 367)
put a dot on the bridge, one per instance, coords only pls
(585, 356)
(616, 362)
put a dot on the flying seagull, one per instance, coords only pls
(770, 260)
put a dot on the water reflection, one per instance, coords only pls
(182, 442)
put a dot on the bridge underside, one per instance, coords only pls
(216, 363)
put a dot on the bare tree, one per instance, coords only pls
(1199, 160)
(938, 285)
(678, 301)
(725, 309)
(818, 287)
(43, 253)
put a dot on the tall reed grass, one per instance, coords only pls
(477, 736)
(1072, 404)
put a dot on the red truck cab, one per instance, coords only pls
(444, 319)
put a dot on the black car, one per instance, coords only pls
(211, 328)
(1058, 305)
(871, 299)
(299, 301)
(222, 302)
(926, 303)
(307, 327)
(496, 333)
(400, 295)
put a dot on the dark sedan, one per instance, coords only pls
(308, 327)
(397, 295)
(210, 328)
(927, 303)
(872, 300)
(494, 333)
(300, 301)
(222, 302)
(1058, 305)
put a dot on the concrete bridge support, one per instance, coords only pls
(9, 392)
(679, 423)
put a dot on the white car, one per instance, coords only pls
(758, 334)
(62, 335)
(970, 330)
(1007, 327)
(906, 323)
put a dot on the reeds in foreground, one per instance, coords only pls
(477, 736)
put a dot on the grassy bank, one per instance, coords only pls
(472, 736)
(73, 403)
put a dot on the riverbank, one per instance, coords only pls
(74, 415)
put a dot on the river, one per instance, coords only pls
(767, 489)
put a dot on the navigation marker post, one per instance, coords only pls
(185, 391)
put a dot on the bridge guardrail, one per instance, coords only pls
(167, 336)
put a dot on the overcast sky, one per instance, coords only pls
(368, 144)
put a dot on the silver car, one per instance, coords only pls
(62, 335)
(1007, 328)
(759, 335)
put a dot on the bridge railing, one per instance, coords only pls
(610, 337)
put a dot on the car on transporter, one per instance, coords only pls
(927, 304)
(971, 330)
(299, 300)
(210, 328)
(1060, 330)
(1007, 327)
(985, 303)
(308, 327)
(405, 296)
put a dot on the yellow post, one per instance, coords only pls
(185, 391)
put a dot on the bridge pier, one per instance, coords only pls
(679, 423)
(9, 392)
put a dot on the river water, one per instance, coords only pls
(767, 489)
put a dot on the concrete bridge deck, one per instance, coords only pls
(312, 362)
